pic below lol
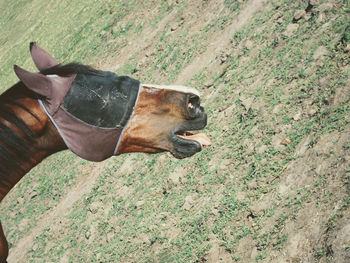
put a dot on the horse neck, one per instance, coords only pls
(27, 136)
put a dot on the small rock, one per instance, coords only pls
(314, 2)
(320, 169)
(213, 255)
(208, 83)
(254, 253)
(277, 109)
(280, 21)
(87, 234)
(307, 16)
(223, 166)
(225, 128)
(229, 112)
(188, 203)
(286, 141)
(319, 64)
(162, 216)
(295, 242)
(277, 15)
(297, 116)
(249, 44)
(320, 53)
(321, 17)
(35, 247)
(224, 70)
(312, 112)
(325, 7)
(253, 185)
(32, 195)
(115, 30)
(276, 142)
(278, 4)
(178, 173)
(303, 146)
(347, 48)
(278, 129)
(214, 212)
(140, 203)
(21, 226)
(174, 178)
(20, 200)
(98, 255)
(340, 243)
(173, 28)
(291, 30)
(286, 128)
(247, 103)
(255, 131)
(262, 149)
(249, 144)
(140, 65)
(93, 208)
(303, 89)
(299, 14)
(259, 209)
(223, 57)
(110, 236)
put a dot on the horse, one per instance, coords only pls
(95, 114)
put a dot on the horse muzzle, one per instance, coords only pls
(184, 139)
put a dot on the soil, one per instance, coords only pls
(317, 176)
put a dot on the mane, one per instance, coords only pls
(70, 69)
(14, 149)
(18, 146)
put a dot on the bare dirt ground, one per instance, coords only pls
(301, 215)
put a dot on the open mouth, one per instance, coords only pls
(201, 138)
(187, 132)
(186, 143)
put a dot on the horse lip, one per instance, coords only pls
(186, 147)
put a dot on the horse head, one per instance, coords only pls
(99, 114)
(94, 113)
(162, 120)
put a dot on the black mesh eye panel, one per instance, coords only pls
(103, 100)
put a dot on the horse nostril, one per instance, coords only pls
(193, 106)
(194, 101)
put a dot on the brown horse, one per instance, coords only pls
(95, 114)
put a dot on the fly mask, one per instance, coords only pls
(90, 111)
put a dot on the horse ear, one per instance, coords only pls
(35, 81)
(42, 59)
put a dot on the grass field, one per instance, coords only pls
(274, 187)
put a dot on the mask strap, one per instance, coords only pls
(53, 121)
(126, 125)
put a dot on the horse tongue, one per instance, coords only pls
(201, 138)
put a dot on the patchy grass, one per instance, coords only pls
(278, 117)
